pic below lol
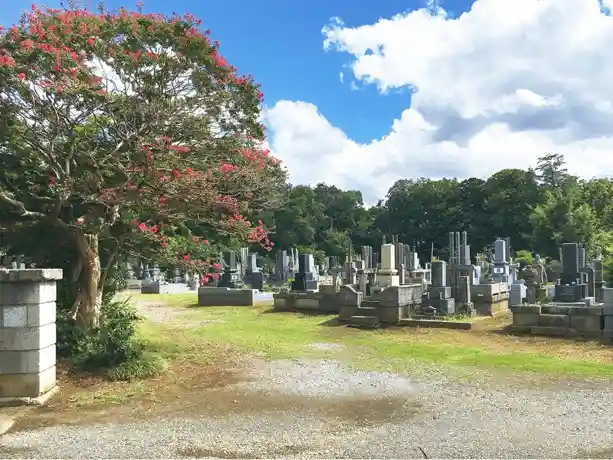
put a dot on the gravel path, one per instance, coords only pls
(323, 409)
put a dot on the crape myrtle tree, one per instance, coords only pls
(125, 129)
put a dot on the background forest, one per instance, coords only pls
(537, 208)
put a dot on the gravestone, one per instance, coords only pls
(350, 273)
(518, 293)
(304, 280)
(244, 255)
(254, 276)
(570, 263)
(367, 256)
(388, 275)
(501, 270)
(155, 272)
(598, 280)
(531, 280)
(282, 266)
(362, 281)
(129, 271)
(230, 277)
(573, 282)
(438, 299)
(146, 273)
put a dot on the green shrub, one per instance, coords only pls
(554, 270)
(147, 365)
(113, 349)
(523, 257)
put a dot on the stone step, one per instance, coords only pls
(368, 303)
(366, 311)
(369, 322)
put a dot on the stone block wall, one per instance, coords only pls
(27, 335)
(559, 320)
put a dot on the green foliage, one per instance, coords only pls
(554, 270)
(524, 257)
(562, 217)
(539, 209)
(113, 349)
(147, 365)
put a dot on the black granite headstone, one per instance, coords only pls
(570, 263)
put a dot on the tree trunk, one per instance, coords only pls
(87, 307)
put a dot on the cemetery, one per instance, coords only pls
(391, 287)
(164, 272)
(369, 294)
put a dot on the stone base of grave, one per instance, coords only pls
(320, 302)
(490, 299)
(228, 297)
(388, 278)
(495, 307)
(572, 319)
(134, 284)
(163, 288)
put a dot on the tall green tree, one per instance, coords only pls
(512, 194)
(423, 211)
(298, 221)
(551, 172)
(563, 217)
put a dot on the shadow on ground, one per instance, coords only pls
(210, 391)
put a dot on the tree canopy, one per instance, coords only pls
(127, 129)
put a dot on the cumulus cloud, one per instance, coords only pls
(496, 87)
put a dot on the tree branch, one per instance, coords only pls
(20, 207)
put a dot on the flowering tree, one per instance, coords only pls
(123, 126)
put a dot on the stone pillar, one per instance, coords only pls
(388, 261)
(439, 273)
(388, 275)
(402, 273)
(27, 335)
(362, 280)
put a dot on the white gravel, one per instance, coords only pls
(335, 412)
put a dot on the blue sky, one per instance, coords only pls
(280, 43)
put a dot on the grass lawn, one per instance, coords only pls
(292, 335)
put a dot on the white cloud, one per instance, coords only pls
(501, 85)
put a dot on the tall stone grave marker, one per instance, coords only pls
(305, 280)
(388, 275)
(571, 287)
(282, 266)
(439, 293)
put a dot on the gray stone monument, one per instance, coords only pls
(305, 280)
